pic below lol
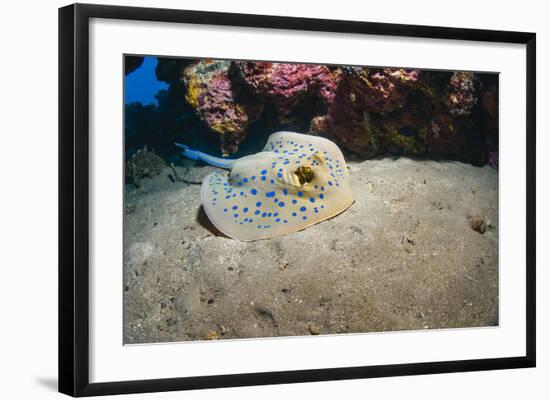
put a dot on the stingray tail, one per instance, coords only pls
(213, 160)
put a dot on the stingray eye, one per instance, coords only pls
(305, 174)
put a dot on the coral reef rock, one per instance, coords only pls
(490, 106)
(222, 103)
(406, 112)
(461, 97)
(358, 117)
(287, 84)
(143, 164)
(383, 90)
(368, 111)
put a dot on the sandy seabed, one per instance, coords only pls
(404, 256)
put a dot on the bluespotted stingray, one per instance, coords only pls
(296, 181)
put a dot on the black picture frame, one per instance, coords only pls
(74, 198)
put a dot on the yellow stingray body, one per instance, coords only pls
(296, 181)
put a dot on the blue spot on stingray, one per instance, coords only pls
(228, 196)
(312, 200)
(257, 212)
(330, 183)
(258, 204)
(263, 177)
(275, 214)
(225, 210)
(304, 217)
(242, 193)
(285, 221)
(270, 194)
(235, 207)
(245, 179)
(285, 191)
(322, 188)
(245, 210)
(299, 193)
(269, 214)
(272, 181)
(281, 204)
(277, 220)
(253, 192)
(294, 213)
(294, 201)
(303, 209)
(263, 172)
(253, 177)
(321, 196)
(279, 175)
(236, 215)
(264, 214)
(234, 195)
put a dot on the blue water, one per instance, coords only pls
(142, 85)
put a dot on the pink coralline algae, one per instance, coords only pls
(220, 102)
(369, 111)
(460, 97)
(286, 84)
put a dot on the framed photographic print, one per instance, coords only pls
(249, 199)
